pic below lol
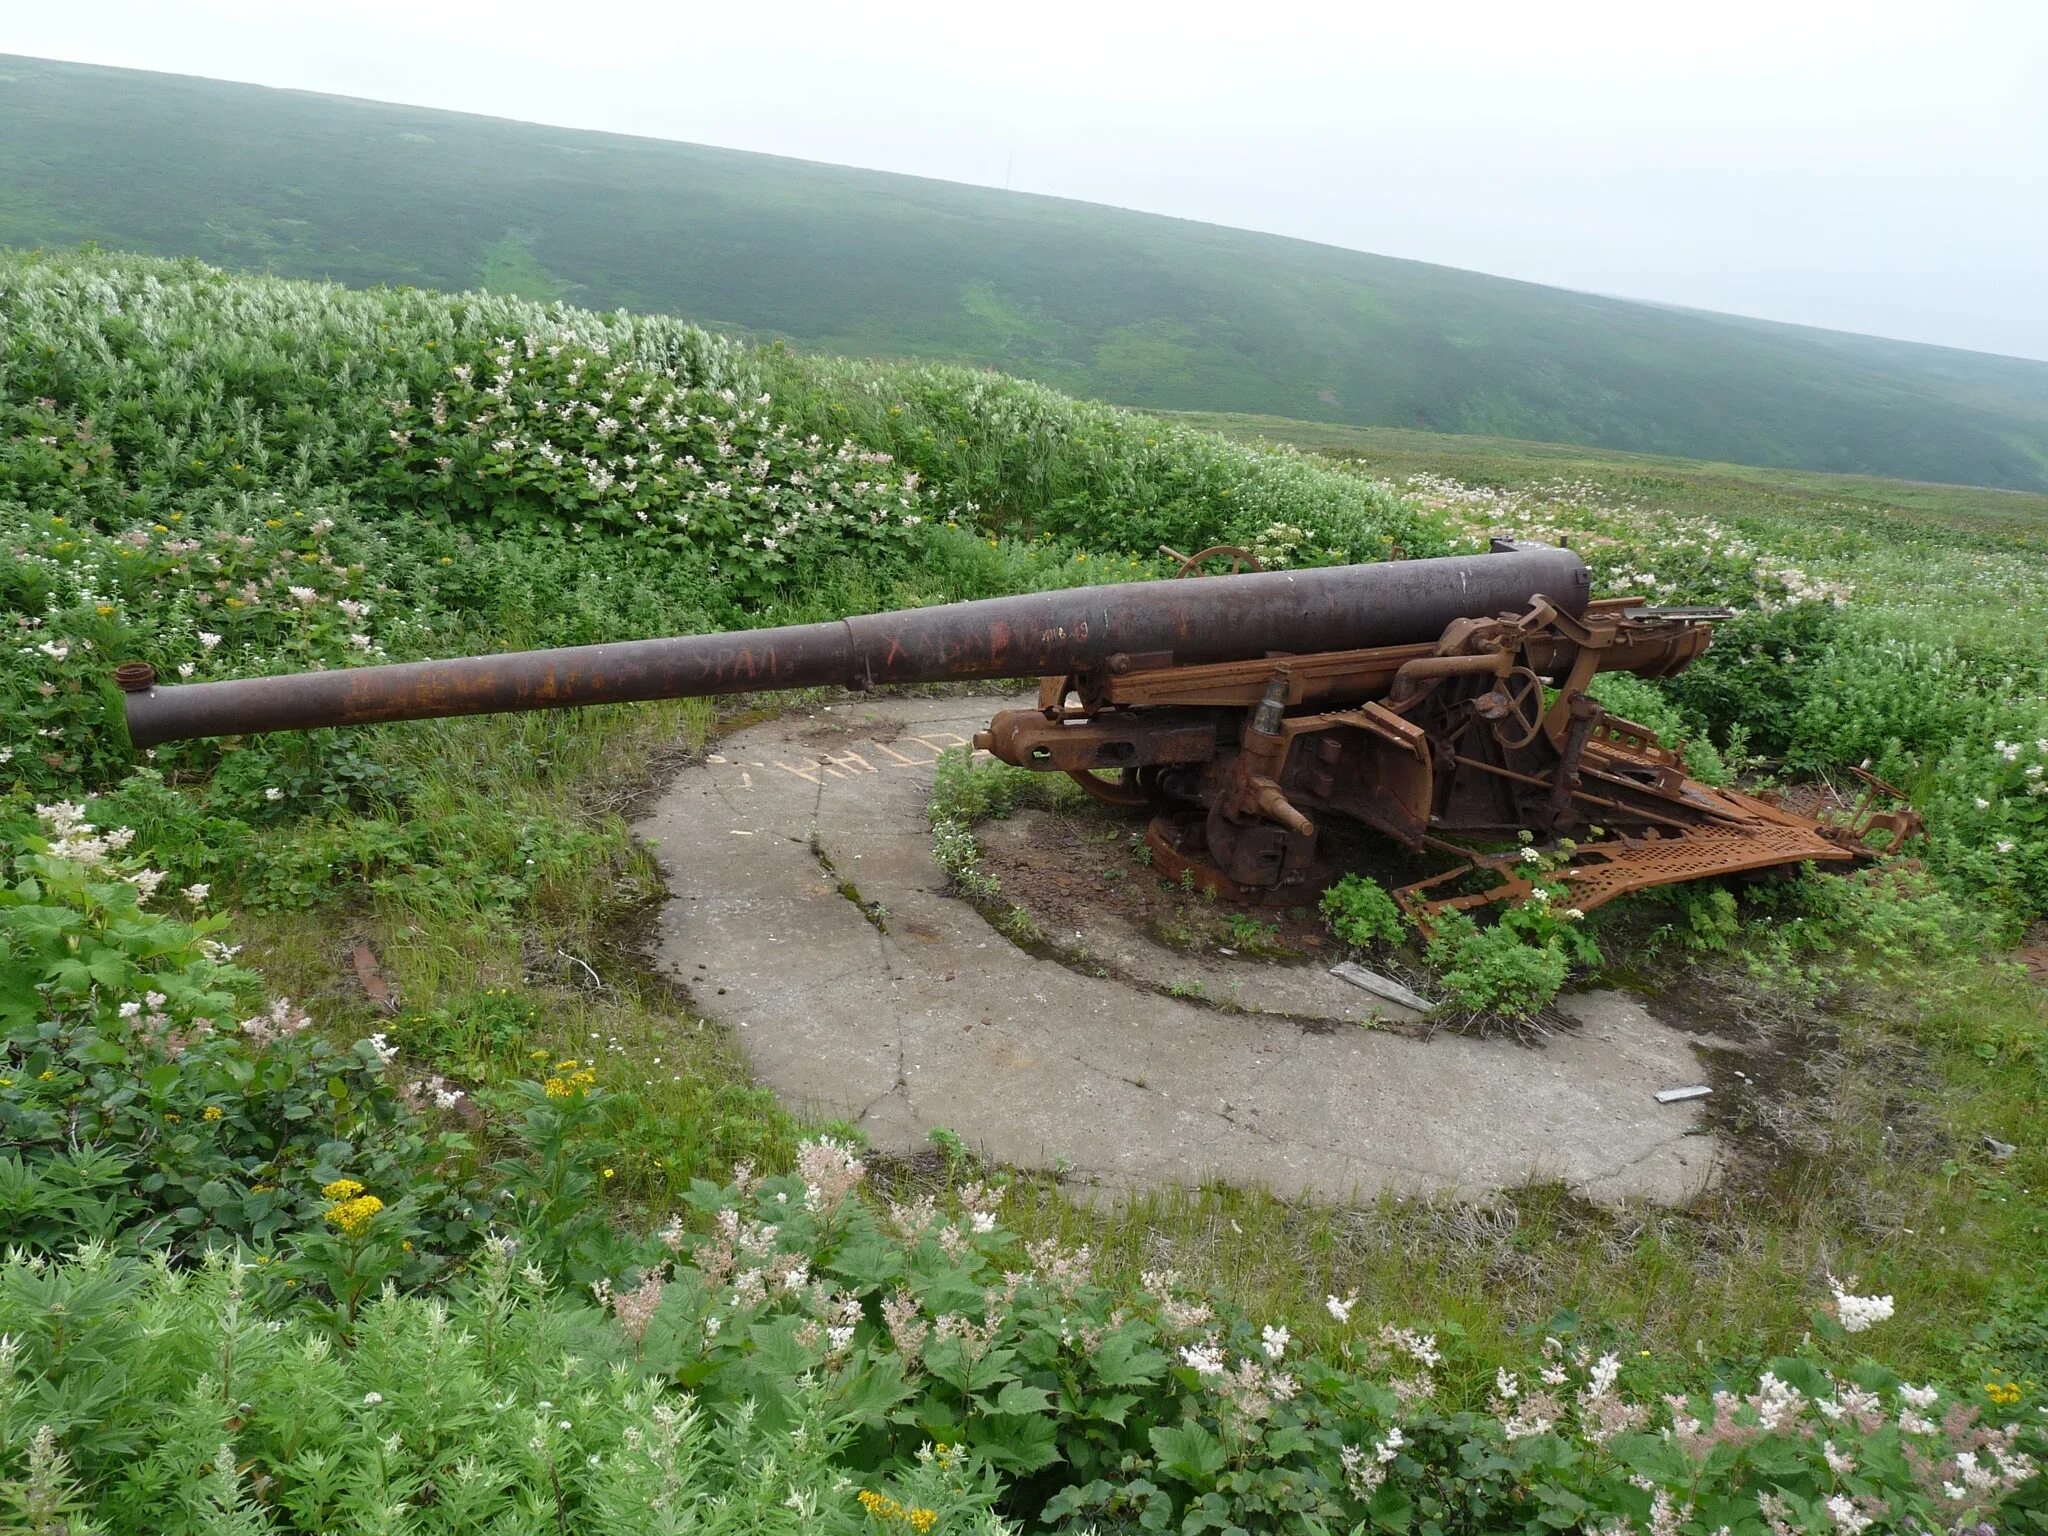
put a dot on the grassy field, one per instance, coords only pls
(1127, 307)
(234, 474)
(2015, 518)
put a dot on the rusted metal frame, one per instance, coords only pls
(1024, 738)
(1358, 673)
(1413, 676)
(1578, 794)
(1864, 819)
(1564, 783)
(1733, 817)
(1132, 681)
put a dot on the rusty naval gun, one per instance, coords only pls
(1441, 702)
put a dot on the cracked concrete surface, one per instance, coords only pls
(939, 1021)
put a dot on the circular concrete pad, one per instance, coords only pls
(928, 1018)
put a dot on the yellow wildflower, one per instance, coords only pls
(341, 1189)
(922, 1520)
(353, 1216)
(567, 1085)
(211, 1112)
(608, 1173)
(880, 1505)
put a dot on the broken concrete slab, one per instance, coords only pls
(929, 1018)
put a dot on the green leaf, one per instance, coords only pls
(1018, 1398)
(1019, 1443)
(1390, 1509)
(1189, 1451)
(111, 969)
(1123, 1360)
(868, 1396)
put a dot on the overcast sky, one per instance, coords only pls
(1868, 166)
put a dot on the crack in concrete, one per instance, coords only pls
(1144, 1110)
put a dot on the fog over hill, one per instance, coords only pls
(1134, 308)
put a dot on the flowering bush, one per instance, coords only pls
(553, 427)
(151, 1099)
(167, 1402)
(209, 594)
(898, 1360)
(1016, 452)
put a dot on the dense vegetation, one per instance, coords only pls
(531, 1254)
(1127, 307)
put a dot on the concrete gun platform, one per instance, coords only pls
(903, 1010)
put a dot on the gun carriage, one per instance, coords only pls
(1441, 702)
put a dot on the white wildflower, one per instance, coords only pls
(1204, 1359)
(1859, 1312)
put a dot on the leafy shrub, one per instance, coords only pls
(1491, 971)
(1360, 912)
(1018, 455)
(894, 1363)
(139, 1110)
(169, 1403)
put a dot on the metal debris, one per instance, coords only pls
(1381, 986)
(1680, 1095)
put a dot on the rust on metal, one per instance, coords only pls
(1220, 618)
(1441, 702)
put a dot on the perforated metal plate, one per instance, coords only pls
(1604, 871)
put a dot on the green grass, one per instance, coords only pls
(1134, 308)
(1998, 518)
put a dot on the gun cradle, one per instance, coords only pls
(1484, 735)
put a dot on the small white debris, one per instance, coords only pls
(736, 832)
(1680, 1095)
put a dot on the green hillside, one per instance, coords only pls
(1128, 307)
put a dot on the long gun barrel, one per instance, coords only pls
(1214, 619)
